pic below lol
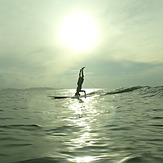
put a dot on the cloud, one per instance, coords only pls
(133, 31)
(113, 74)
(130, 49)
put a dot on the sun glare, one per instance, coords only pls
(79, 32)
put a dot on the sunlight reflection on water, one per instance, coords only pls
(83, 121)
(85, 111)
(85, 118)
(84, 159)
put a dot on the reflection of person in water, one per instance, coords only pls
(80, 82)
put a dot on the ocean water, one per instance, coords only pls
(119, 126)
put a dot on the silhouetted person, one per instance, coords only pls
(80, 82)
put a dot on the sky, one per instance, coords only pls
(121, 43)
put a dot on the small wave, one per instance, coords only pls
(43, 160)
(120, 128)
(24, 127)
(62, 131)
(11, 139)
(2, 154)
(157, 109)
(6, 118)
(161, 126)
(131, 159)
(124, 90)
(152, 91)
(146, 91)
(99, 91)
(18, 145)
(157, 117)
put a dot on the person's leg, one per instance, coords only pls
(84, 92)
(82, 73)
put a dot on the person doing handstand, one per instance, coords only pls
(80, 82)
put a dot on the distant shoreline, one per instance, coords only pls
(32, 88)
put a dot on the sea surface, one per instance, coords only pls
(114, 126)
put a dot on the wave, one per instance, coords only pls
(23, 127)
(42, 160)
(131, 159)
(151, 91)
(124, 90)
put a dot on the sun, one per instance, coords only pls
(79, 32)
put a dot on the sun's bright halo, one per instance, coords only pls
(79, 32)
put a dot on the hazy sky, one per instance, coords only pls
(129, 51)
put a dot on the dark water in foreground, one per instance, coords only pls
(124, 125)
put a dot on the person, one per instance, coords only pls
(80, 82)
